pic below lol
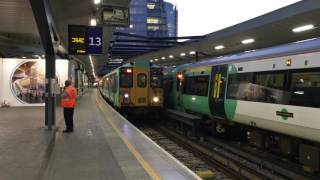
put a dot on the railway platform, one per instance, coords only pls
(104, 145)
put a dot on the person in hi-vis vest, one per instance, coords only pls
(68, 103)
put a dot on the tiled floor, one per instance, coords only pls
(103, 146)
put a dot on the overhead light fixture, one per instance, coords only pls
(192, 52)
(303, 28)
(131, 26)
(151, 60)
(305, 40)
(156, 59)
(171, 56)
(97, 2)
(250, 51)
(23, 57)
(248, 41)
(92, 66)
(163, 58)
(93, 22)
(219, 47)
(182, 54)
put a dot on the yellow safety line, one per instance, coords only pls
(147, 167)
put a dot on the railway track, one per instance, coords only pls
(225, 160)
(188, 157)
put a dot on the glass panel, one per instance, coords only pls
(197, 85)
(142, 80)
(156, 81)
(151, 5)
(305, 89)
(126, 79)
(151, 20)
(154, 28)
(114, 86)
(268, 88)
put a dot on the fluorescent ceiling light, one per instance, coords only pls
(306, 40)
(182, 54)
(250, 51)
(163, 58)
(93, 22)
(156, 59)
(303, 28)
(97, 1)
(171, 56)
(248, 41)
(219, 47)
(192, 52)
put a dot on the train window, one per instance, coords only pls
(270, 80)
(235, 81)
(126, 79)
(305, 88)
(114, 83)
(267, 87)
(197, 85)
(142, 80)
(156, 81)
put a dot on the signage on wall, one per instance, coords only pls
(114, 15)
(85, 40)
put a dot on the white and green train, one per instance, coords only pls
(272, 93)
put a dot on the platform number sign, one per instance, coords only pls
(85, 40)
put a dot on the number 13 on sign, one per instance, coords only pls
(95, 41)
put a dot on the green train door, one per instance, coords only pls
(217, 91)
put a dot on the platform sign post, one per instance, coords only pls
(84, 40)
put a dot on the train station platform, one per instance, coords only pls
(104, 145)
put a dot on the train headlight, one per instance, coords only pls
(155, 99)
(126, 95)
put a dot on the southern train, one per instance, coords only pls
(271, 94)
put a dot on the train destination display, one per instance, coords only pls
(85, 40)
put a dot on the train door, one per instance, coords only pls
(141, 93)
(217, 92)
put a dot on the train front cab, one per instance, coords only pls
(141, 89)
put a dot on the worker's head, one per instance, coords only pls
(67, 83)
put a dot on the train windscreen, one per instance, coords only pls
(156, 78)
(126, 78)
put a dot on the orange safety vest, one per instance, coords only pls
(70, 100)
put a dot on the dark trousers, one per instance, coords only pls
(68, 118)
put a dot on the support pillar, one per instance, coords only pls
(42, 17)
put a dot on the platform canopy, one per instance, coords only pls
(267, 30)
(19, 35)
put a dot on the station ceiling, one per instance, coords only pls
(267, 30)
(19, 34)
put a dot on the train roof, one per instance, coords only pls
(300, 47)
(141, 63)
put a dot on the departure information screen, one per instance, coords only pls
(85, 40)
